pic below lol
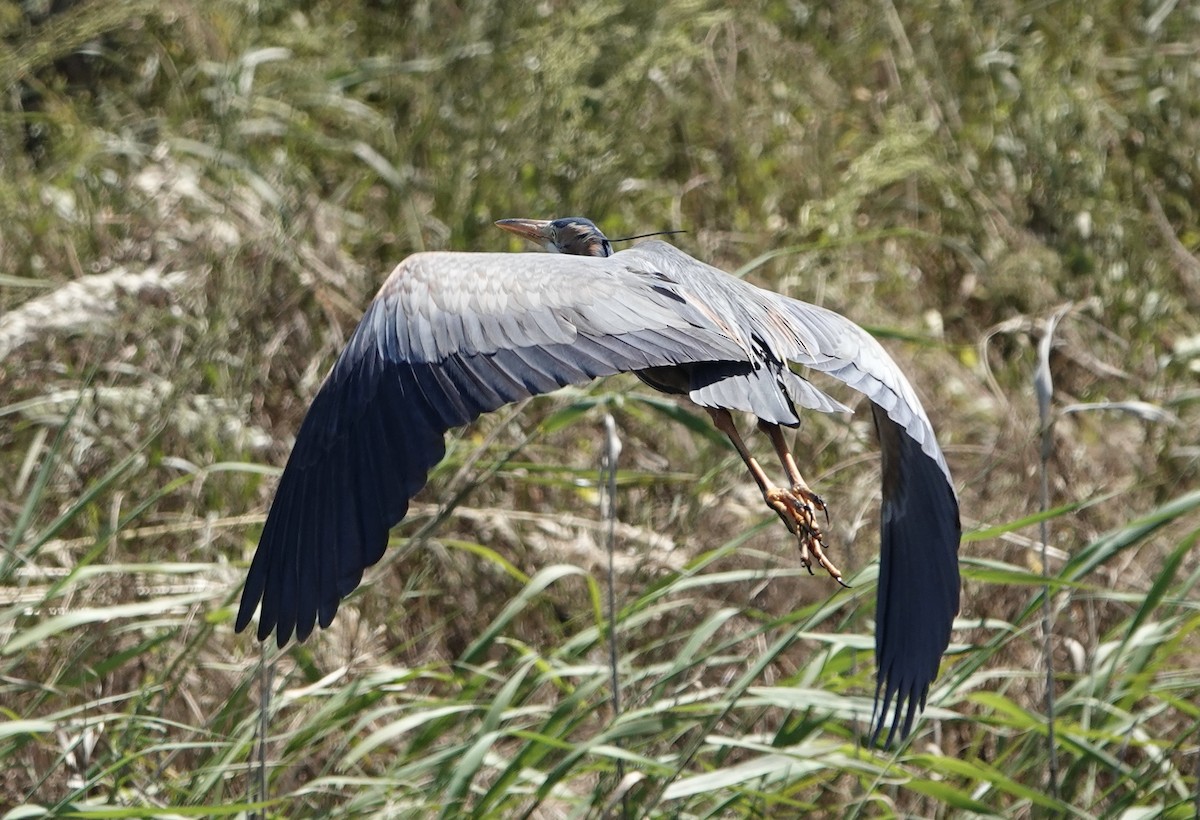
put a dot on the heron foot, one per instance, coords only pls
(815, 501)
(798, 507)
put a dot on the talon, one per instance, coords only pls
(796, 508)
(814, 500)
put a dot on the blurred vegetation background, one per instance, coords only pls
(197, 200)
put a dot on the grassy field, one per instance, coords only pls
(198, 200)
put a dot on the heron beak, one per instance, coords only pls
(536, 231)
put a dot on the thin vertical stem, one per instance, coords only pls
(1198, 778)
(608, 509)
(265, 667)
(1044, 387)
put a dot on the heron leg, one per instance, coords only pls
(795, 506)
(799, 485)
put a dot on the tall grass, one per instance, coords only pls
(511, 727)
(197, 202)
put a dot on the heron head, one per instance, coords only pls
(571, 234)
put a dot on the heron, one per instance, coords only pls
(451, 336)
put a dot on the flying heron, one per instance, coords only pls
(452, 335)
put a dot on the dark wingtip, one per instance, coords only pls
(364, 448)
(903, 718)
(918, 592)
(245, 612)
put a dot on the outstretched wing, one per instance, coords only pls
(918, 593)
(448, 337)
